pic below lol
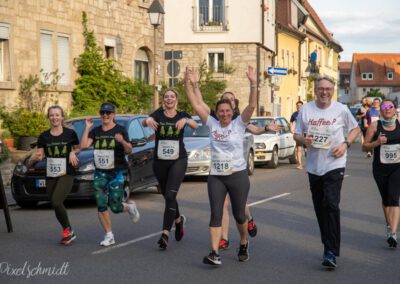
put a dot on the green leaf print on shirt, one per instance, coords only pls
(162, 131)
(56, 152)
(170, 132)
(104, 144)
(97, 145)
(49, 151)
(112, 144)
(177, 132)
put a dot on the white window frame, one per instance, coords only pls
(367, 76)
(390, 75)
(215, 63)
(210, 12)
(63, 61)
(370, 76)
(46, 54)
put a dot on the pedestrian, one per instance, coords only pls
(325, 121)
(383, 137)
(228, 166)
(171, 160)
(361, 117)
(373, 115)
(299, 147)
(110, 142)
(60, 146)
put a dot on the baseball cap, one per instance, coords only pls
(107, 107)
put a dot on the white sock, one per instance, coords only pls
(109, 235)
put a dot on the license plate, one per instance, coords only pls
(40, 183)
(260, 157)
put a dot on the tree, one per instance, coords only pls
(101, 81)
(375, 93)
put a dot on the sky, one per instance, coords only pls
(362, 26)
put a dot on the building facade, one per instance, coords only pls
(226, 35)
(47, 36)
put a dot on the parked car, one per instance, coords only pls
(28, 183)
(197, 143)
(274, 146)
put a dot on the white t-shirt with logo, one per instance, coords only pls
(228, 141)
(328, 125)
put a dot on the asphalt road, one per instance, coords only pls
(287, 248)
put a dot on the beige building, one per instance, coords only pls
(47, 35)
(226, 34)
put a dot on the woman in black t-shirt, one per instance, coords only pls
(170, 161)
(60, 146)
(110, 142)
(383, 136)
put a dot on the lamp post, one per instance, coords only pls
(156, 12)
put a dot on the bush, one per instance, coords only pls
(4, 154)
(24, 123)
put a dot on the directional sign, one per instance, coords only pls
(277, 71)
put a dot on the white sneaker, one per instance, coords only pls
(108, 241)
(133, 211)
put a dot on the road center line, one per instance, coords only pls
(107, 249)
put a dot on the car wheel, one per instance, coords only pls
(27, 204)
(273, 164)
(250, 163)
(293, 157)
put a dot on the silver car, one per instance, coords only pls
(197, 143)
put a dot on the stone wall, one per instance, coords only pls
(126, 21)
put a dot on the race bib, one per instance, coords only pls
(221, 164)
(104, 159)
(322, 136)
(56, 167)
(390, 154)
(168, 149)
(374, 118)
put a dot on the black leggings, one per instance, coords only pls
(389, 187)
(58, 189)
(237, 186)
(170, 175)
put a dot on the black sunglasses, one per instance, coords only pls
(105, 112)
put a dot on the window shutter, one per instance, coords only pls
(4, 32)
(63, 60)
(46, 55)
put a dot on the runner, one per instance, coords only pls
(110, 147)
(228, 171)
(170, 163)
(383, 136)
(372, 115)
(60, 146)
(299, 147)
(325, 121)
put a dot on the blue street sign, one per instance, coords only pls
(277, 71)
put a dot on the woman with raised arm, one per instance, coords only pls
(228, 167)
(383, 136)
(170, 161)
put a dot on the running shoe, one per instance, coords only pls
(68, 235)
(388, 231)
(213, 258)
(392, 240)
(163, 242)
(108, 241)
(252, 228)
(133, 211)
(329, 259)
(224, 244)
(179, 228)
(243, 254)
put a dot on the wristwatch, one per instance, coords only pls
(347, 143)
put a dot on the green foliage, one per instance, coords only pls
(210, 88)
(101, 81)
(4, 153)
(375, 93)
(22, 122)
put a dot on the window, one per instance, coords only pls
(141, 66)
(135, 130)
(216, 62)
(211, 12)
(109, 47)
(5, 69)
(46, 56)
(389, 75)
(47, 64)
(63, 59)
(367, 76)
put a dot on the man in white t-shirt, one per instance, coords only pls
(324, 123)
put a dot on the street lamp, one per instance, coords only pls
(156, 12)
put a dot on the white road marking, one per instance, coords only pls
(107, 249)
